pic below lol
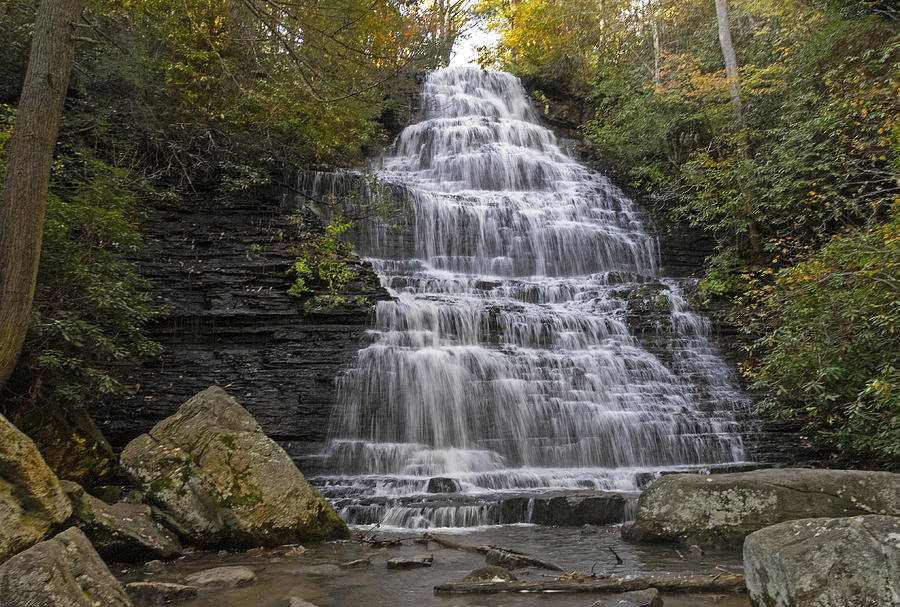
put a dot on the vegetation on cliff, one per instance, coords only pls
(792, 161)
(170, 100)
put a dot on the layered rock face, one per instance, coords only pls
(220, 269)
(825, 562)
(64, 571)
(219, 480)
(720, 510)
(31, 501)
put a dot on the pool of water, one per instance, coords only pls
(317, 577)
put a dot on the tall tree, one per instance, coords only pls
(24, 197)
(731, 66)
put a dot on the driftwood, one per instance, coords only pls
(700, 583)
(495, 555)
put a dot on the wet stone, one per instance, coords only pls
(422, 560)
(160, 593)
(298, 602)
(443, 485)
(220, 578)
(636, 598)
(357, 564)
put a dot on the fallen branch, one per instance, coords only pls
(495, 555)
(700, 583)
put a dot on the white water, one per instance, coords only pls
(506, 360)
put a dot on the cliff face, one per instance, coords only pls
(219, 267)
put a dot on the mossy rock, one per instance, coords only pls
(218, 480)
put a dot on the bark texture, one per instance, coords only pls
(24, 197)
(731, 66)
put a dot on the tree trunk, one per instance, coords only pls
(731, 66)
(24, 197)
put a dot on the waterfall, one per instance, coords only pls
(509, 360)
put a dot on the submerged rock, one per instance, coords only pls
(441, 484)
(31, 501)
(235, 576)
(400, 562)
(64, 571)
(121, 532)
(636, 598)
(825, 562)
(160, 593)
(722, 509)
(217, 479)
(296, 601)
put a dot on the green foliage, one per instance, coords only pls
(325, 259)
(830, 345)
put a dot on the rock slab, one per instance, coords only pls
(825, 562)
(160, 593)
(120, 532)
(636, 598)
(400, 562)
(64, 571)
(722, 509)
(218, 480)
(31, 501)
(220, 578)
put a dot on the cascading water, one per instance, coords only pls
(506, 363)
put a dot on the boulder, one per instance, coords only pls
(31, 501)
(636, 598)
(219, 578)
(70, 442)
(411, 562)
(565, 508)
(160, 593)
(217, 479)
(64, 571)
(440, 484)
(296, 601)
(721, 509)
(120, 532)
(826, 562)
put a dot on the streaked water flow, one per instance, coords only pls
(532, 343)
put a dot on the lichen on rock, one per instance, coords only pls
(219, 480)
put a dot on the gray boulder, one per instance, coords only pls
(120, 532)
(160, 593)
(31, 501)
(722, 509)
(825, 562)
(217, 479)
(220, 578)
(64, 571)
(565, 508)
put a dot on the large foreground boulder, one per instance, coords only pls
(722, 509)
(31, 502)
(64, 571)
(825, 562)
(121, 531)
(217, 479)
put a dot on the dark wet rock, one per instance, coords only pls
(443, 485)
(357, 564)
(231, 320)
(565, 508)
(323, 570)
(295, 601)
(154, 567)
(636, 598)
(400, 562)
(490, 574)
(120, 532)
(108, 493)
(219, 480)
(722, 509)
(825, 562)
(64, 571)
(160, 593)
(219, 578)
(70, 442)
(31, 501)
